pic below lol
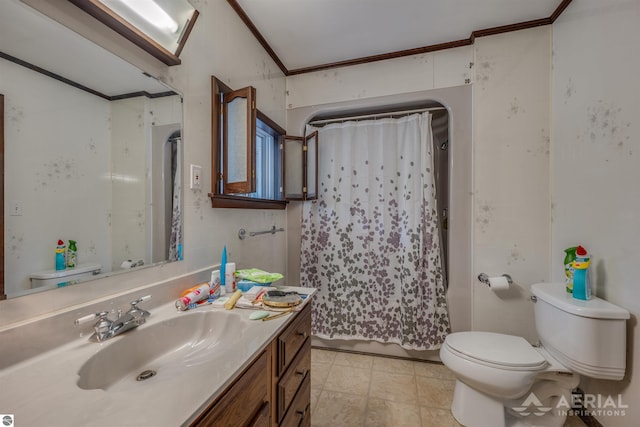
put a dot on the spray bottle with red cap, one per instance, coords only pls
(61, 256)
(581, 280)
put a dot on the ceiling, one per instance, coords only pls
(38, 40)
(309, 34)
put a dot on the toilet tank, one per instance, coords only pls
(588, 337)
(52, 278)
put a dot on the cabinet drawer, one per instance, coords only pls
(291, 340)
(294, 377)
(299, 413)
(246, 400)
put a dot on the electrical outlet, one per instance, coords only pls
(196, 177)
(16, 208)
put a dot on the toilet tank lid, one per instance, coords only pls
(597, 308)
(79, 269)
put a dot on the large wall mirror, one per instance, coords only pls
(92, 153)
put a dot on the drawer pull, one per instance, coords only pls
(303, 334)
(302, 414)
(302, 373)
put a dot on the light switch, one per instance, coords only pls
(196, 177)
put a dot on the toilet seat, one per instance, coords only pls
(494, 350)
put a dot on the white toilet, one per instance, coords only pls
(58, 278)
(503, 381)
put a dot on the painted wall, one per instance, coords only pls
(595, 156)
(511, 175)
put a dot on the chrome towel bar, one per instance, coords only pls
(242, 233)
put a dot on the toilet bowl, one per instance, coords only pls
(503, 381)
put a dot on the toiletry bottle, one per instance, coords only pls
(230, 277)
(72, 254)
(581, 280)
(570, 256)
(61, 259)
(215, 289)
(223, 265)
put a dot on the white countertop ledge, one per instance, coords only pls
(43, 390)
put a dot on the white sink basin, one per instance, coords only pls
(167, 348)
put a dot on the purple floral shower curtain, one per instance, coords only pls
(370, 242)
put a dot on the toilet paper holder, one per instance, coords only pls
(484, 278)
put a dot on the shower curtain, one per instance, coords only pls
(370, 242)
(175, 239)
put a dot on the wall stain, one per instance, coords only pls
(91, 145)
(606, 126)
(484, 215)
(543, 145)
(484, 71)
(140, 221)
(198, 204)
(515, 108)
(569, 91)
(15, 116)
(515, 255)
(14, 244)
(56, 172)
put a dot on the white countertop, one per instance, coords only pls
(43, 391)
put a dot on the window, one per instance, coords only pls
(301, 164)
(246, 152)
(268, 165)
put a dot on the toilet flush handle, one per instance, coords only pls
(533, 298)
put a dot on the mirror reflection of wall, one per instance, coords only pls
(81, 166)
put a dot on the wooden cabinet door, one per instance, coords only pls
(245, 402)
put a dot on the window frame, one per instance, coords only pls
(303, 195)
(249, 184)
(218, 198)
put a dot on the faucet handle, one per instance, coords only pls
(139, 312)
(89, 317)
(139, 300)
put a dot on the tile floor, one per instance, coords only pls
(349, 390)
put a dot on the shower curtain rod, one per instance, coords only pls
(377, 115)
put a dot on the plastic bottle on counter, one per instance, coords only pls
(569, 257)
(61, 258)
(215, 288)
(230, 277)
(581, 279)
(72, 254)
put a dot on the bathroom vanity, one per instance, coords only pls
(202, 367)
(275, 388)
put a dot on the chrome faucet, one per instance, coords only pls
(105, 328)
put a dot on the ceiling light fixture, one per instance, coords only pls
(161, 27)
(152, 13)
